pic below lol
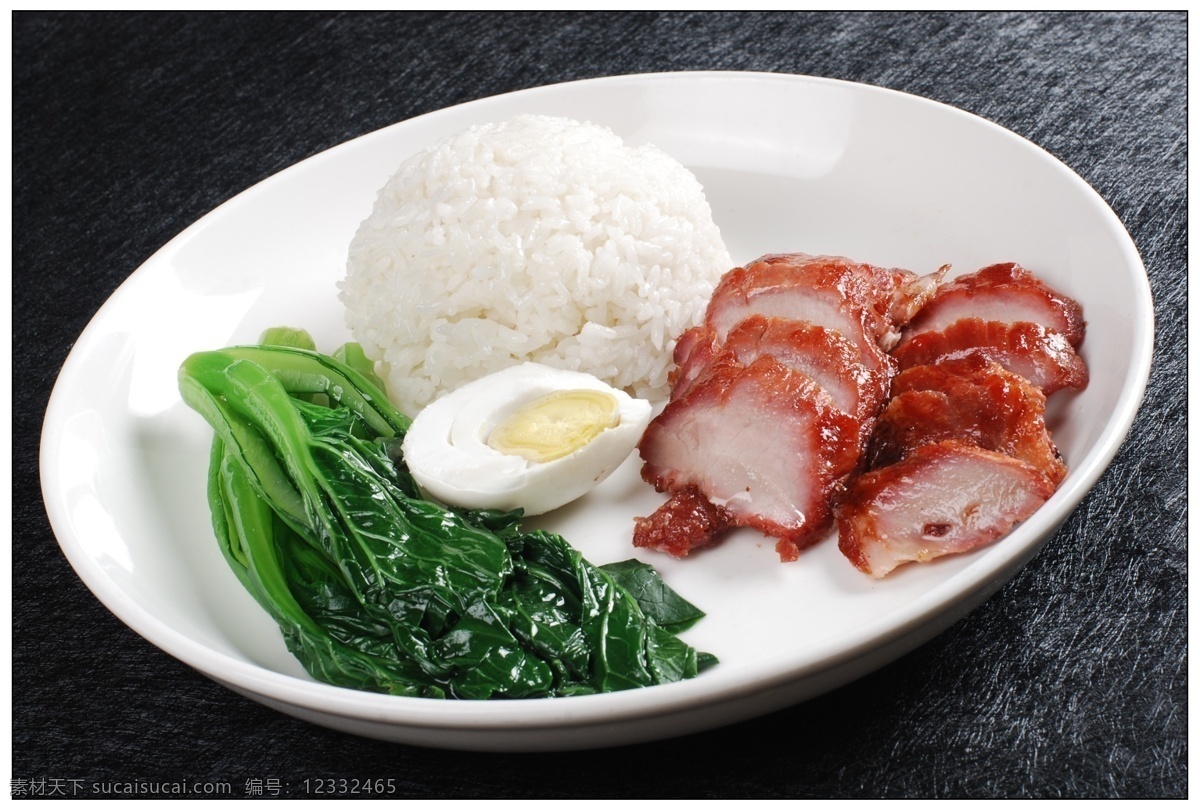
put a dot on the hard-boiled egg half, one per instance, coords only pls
(530, 436)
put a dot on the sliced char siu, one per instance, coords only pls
(773, 398)
(823, 354)
(971, 399)
(943, 498)
(761, 441)
(1006, 293)
(850, 299)
(1040, 355)
(960, 453)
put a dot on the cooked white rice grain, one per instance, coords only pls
(538, 239)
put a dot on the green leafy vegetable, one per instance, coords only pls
(667, 608)
(375, 588)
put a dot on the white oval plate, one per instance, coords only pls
(789, 164)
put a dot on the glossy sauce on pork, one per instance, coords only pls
(912, 410)
(960, 453)
(773, 400)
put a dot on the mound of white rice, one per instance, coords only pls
(537, 239)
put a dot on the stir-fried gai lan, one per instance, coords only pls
(375, 587)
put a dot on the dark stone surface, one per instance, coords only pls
(1071, 681)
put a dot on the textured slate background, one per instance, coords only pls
(1071, 681)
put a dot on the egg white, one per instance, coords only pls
(447, 452)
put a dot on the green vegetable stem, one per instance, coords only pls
(376, 588)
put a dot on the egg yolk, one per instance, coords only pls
(555, 425)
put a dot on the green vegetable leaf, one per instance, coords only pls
(667, 608)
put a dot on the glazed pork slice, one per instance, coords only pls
(889, 296)
(763, 442)
(1043, 356)
(823, 354)
(1006, 293)
(944, 498)
(971, 399)
(773, 398)
(837, 294)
